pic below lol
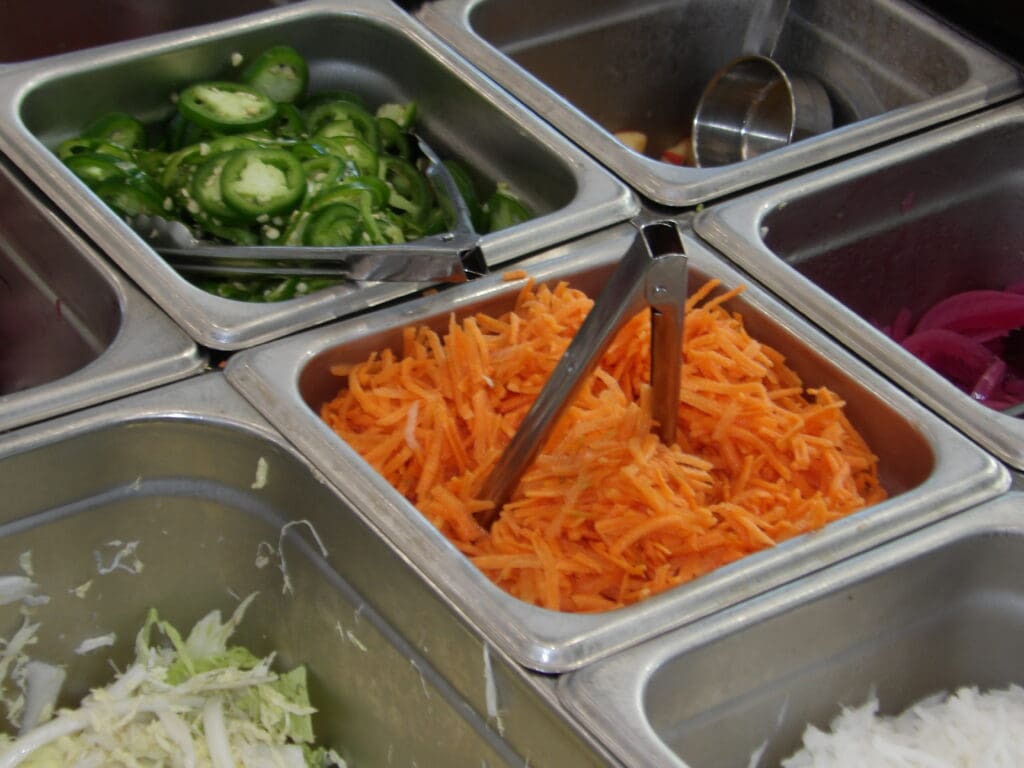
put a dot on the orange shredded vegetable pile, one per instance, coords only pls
(606, 515)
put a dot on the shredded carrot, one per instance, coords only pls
(606, 515)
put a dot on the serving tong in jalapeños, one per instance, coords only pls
(453, 256)
(652, 273)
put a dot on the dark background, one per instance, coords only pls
(997, 23)
(31, 29)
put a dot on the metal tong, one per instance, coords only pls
(452, 256)
(652, 273)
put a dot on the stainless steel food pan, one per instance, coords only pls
(70, 25)
(930, 612)
(367, 46)
(901, 227)
(207, 504)
(73, 331)
(929, 470)
(592, 69)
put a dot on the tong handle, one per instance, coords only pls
(445, 258)
(653, 272)
(453, 256)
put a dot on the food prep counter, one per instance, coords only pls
(166, 448)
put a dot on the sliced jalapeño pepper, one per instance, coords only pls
(367, 194)
(336, 224)
(289, 123)
(280, 73)
(467, 190)
(353, 188)
(393, 139)
(117, 128)
(257, 182)
(295, 228)
(503, 209)
(150, 161)
(359, 155)
(434, 223)
(410, 192)
(393, 228)
(206, 189)
(316, 99)
(179, 166)
(82, 145)
(321, 173)
(259, 162)
(226, 107)
(182, 132)
(403, 115)
(95, 169)
(232, 233)
(130, 197)
(308, 150)
(346, 119)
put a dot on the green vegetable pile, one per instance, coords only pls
(192, 701)
(261, 162)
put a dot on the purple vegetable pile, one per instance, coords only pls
(975, 339)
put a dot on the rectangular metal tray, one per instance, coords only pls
(928, 468)
(204, 489)
(933, 611)
(367, 46)
(73, 331)
(903, 226)
(593, 68)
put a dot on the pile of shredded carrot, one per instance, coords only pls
(606, 515)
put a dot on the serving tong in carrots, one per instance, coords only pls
(453, 256)
(652, 273)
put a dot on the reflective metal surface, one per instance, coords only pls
(901, 227)
(217, 505)
(594, 68)
(73, 332)
(929, 469)
(931, 612)
(370, 47)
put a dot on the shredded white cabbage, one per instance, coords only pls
(120, 561)
(194, 702)
(265, 551)
(16, 588)
(91, 644)
(262, 472)
(965, 728)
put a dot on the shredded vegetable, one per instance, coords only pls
(192, 701)
(606, 515)
(972, 338)
(968, 727)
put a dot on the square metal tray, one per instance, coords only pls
(929, 469)
(903, 226)
(367, 46)
(215, 505)
(73, 331)
(594, 68)
(934, 611)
